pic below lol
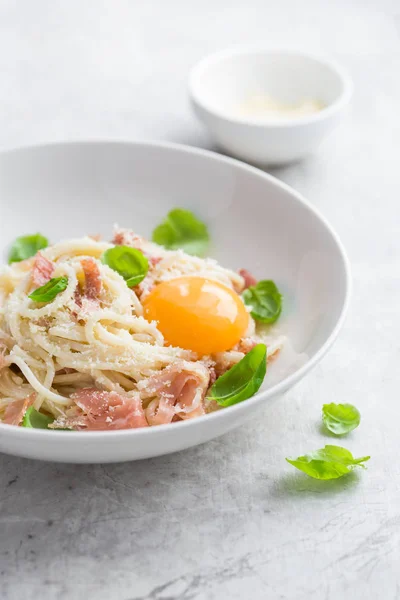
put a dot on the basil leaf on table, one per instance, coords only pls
(36, 420)
(243, 380)
(340, 418)
(182, 230)
(330, 462)
(264, 301)
(26, 246)
(130, 263)
(49, 290)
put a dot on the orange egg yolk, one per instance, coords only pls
(197, 314)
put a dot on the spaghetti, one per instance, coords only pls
(89, 358)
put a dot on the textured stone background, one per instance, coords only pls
(229, 520)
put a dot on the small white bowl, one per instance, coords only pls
(223, 82)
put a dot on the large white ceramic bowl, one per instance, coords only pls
(223, 81)
(255, 220)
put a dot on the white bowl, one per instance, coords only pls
(255, 220)
(222, 82)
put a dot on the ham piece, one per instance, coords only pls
(42, 270)
(16, 410)
(103, 410)
(249, 279)
(177, 390)
(92, 286)
(88, 298)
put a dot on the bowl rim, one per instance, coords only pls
(265, 122)
(275, 390)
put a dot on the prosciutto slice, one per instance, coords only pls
(177, 390)
(92, 278)
(249, 279)
(42, 270)
(125, 237)
(88, 298)
(16, 410)
(102, 410)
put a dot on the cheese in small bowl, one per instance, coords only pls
(262, 106)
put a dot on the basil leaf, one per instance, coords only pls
(264, 300)
(26, 246)
(243, 380)
(340, 418)
(182, 230)
(130, 263)
(35, 419)
(49, 290)
(330, 462)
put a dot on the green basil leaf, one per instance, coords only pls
(264, 300)
(49, 290)
(243, 380)
(36, 420)
(182, 230)
(26, 246)
(330, 462)
(340, 418)
(130, 263)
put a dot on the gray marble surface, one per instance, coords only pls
(231, 519)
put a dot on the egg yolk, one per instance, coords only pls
(197, 314)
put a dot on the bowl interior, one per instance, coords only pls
(255, 221)
(224, 81)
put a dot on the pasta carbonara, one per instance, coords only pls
(88, 351)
